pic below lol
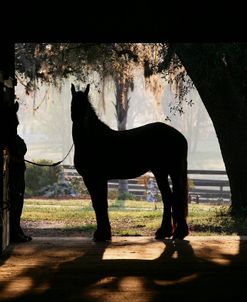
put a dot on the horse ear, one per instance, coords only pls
(87, 89)
(72, 89)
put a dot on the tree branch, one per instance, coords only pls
(167, 58)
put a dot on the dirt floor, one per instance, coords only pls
(51, 229)
(200, 268)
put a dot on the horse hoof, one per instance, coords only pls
(163, 234)
(101, 239)
(101, 236)
(180, 233)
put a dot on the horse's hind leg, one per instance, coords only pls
(180, 202)
(98, 192)
(166, 229)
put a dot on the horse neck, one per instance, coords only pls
(89, 125)
(93, 120)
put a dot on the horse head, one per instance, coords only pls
(79, 103)
(73, 91)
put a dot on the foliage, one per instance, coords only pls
(37, 177)
(79, 186)
(58, 190)
(53, 62)
(117, 62)
(125, 196)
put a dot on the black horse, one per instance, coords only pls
(102, 153)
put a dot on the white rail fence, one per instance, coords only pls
(203, 185)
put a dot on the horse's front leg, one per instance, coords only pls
(180, 207)
(98, 192)
(166, 228)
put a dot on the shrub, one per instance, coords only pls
(78, 185)
(37, 177)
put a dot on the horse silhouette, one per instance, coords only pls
(102, 153)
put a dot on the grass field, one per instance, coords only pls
(128, 218)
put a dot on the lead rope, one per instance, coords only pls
(50, 165)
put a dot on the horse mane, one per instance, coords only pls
(89, 116)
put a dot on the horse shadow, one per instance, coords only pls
(178, 273)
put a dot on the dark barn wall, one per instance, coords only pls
(7, 96)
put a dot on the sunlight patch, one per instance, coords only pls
(151, 251)
(17, 287)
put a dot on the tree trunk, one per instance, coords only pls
(123, 188)
(230, 127)
(226, 105)
(233, 144)
(122, 106)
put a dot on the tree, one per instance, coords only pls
(54, 62)
(218, 71)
